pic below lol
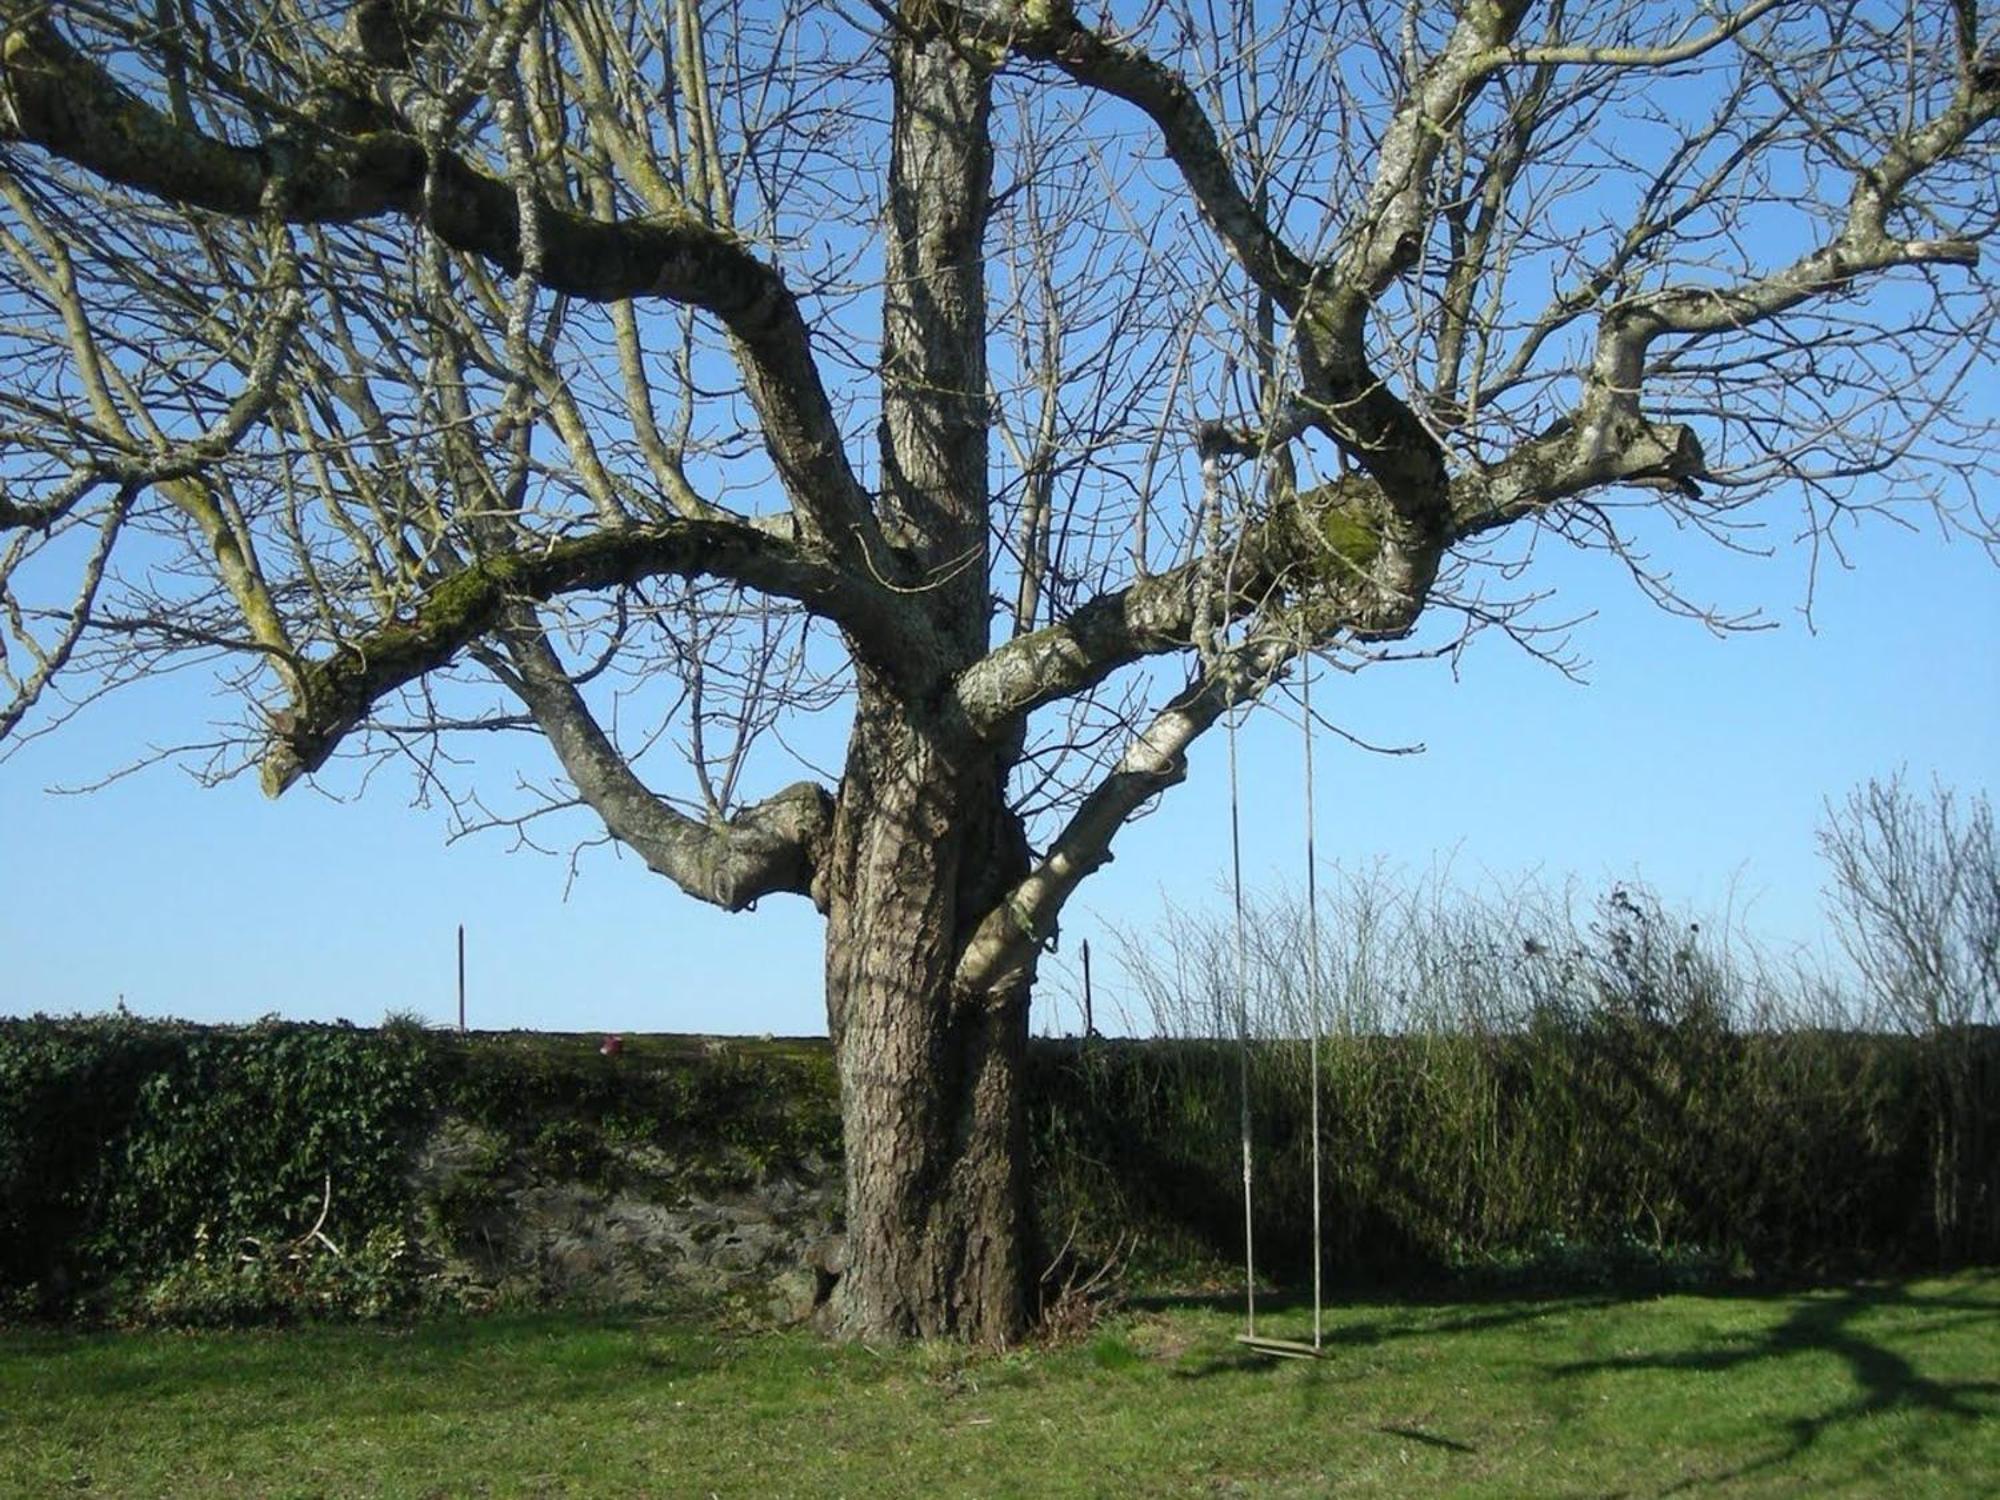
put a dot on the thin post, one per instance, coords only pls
(1089, 1025)
(461, 976)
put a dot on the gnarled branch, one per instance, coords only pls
(768, 847)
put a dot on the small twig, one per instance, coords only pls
(318, 1231)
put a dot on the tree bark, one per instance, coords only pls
(931, 1075)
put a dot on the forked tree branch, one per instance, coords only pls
(338, 691)
(1001, 952)
(1332, 553)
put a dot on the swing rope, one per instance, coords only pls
(1211, 505)
(1279, 1347)
(1313, 981)
(1242, 1036)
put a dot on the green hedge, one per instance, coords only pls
(164, 1170)
(726, 1110)
(171, 1169)
(1610, 1146)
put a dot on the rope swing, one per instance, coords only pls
(1250, 1338)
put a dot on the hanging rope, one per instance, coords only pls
(1312, 979)
(1242, 1035)
(1281, 1348)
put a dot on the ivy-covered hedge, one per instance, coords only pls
(125, 1145)
(159, 1170)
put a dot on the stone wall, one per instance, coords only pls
(648, 1229)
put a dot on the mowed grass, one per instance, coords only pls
(1884, 1390)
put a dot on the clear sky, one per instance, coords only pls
(1698, 764)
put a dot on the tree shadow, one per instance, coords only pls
(326, 1363)
(1821, 1324)
(1291, 1312)
(1428, 1439)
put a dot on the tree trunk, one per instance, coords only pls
(923, 844)
(931, 1099)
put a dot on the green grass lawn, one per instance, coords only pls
(1881, 1391)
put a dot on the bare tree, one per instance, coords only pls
(631, 376)
(1916, 901)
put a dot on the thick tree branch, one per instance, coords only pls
(1380, 245)
(338, 691)
(1335, 555)
(1863, 247)
(40, 515)
(936, 419)
(175, 466)
(1607, 439)
(1666, 55)
(766, 848)
(1864, 244)
(55, 98)
(1330, 303)
(1048, 31)
(1334, 560)
(1001, 952)
(1572, 458)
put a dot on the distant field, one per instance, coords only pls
(1889, 1390)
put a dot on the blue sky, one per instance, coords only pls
(1698, 764)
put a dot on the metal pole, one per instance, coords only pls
(1089, 1025)
(461, 976)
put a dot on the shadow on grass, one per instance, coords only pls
(1886, 1381)
(1288, 1315)
(1428, 1439)
(1235, 1360)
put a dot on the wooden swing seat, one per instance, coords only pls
(1279, 1348)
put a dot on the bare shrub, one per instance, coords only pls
(1915, 900)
